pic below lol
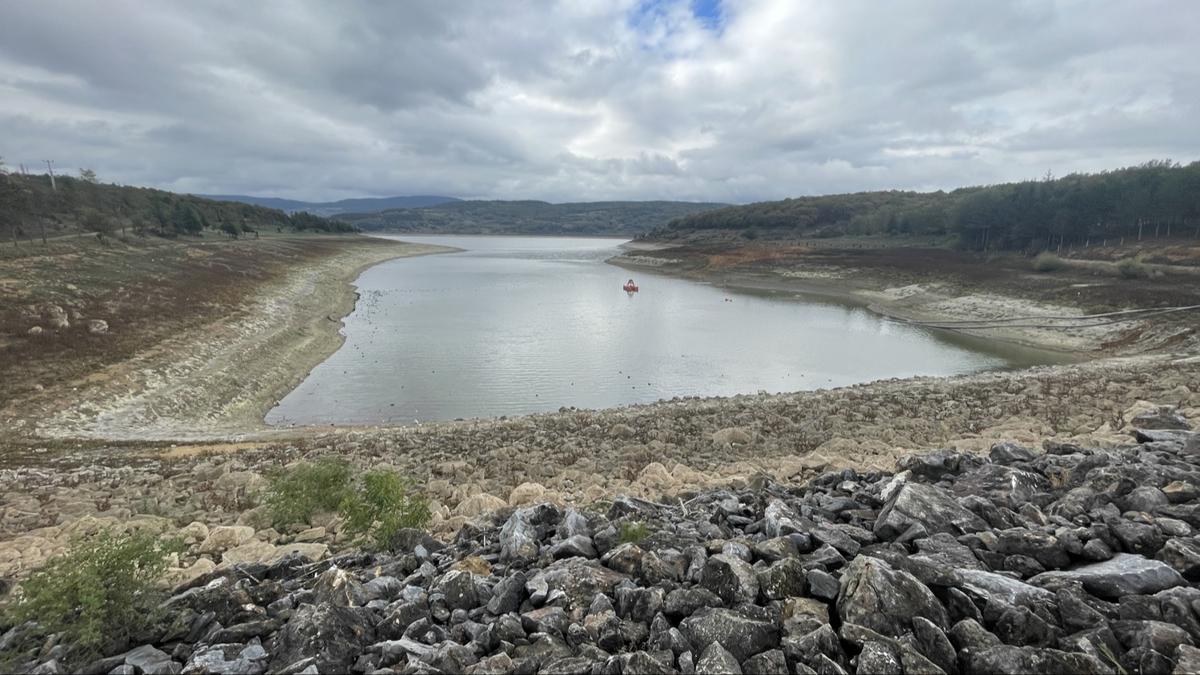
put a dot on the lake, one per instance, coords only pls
(516, 325)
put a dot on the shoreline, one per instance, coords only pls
(234, 370)
(915, 304)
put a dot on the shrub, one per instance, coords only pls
(1133, 269)
(1048, 262)
(97, 594)
(380, 505)
(296, 494)
(633, 532)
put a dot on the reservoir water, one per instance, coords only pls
(515, 325)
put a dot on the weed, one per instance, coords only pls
(1048, 262)
(1131, 268)
(381, 504)
(296, 494)
(98, 593)
(633, 532)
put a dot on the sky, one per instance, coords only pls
(703, 100)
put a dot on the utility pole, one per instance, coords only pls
(50, 169)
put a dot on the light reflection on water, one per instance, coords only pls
(516, 325)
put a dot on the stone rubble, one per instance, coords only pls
(1059, 558)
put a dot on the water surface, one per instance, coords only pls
(515, 325)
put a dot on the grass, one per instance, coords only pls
(297, 494)
(1131, 268)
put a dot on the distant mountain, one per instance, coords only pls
(362, 205)
(529, 217)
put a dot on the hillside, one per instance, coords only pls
(1158, 198)
(31, 208)
(530, 217)
(326, 209)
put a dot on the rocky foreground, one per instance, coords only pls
(1060, 558)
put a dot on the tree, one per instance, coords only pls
(87, 176)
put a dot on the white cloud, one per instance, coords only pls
(595, 99)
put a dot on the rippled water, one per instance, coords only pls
(517, 325)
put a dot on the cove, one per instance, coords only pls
(516, 325)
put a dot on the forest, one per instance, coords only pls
(35, 207)
(529, 217)
(1157, 199)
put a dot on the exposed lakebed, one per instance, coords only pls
(515, 325)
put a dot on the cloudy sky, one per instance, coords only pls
(731, 100)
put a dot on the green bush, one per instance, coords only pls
(97, 594)
(373, 506)
(1133, 269)
(1048, 262)
(381, 504)
(633, 532)
(295, 495)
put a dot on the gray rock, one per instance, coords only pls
(932, 507)
(1165, 417)
(1183, 555)
(147, 658)
(578, 579)
(716, 660)
(770, 662)
(885, 600)
(683, 602)
(933, 644)
(783, 579)
(401, 616)
(383, 588)
(518, 537)
(1125, 574)
(1007, 659)
(876, 658)
(332, 635)
(969, 636)
(335, 586)
(575, 545)
(1187, 660)
(822, 584)
(742, 636)
(508, 594)
(458, 587)
(779, 520)
(1002, 485)
(1010, 453)
(730, 578)
(1041, 546)
(989, 586)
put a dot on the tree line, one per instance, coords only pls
(1160, 198)
(39, 206)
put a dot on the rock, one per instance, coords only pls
(1043, 547)
(97, 326)
(874, 595)
(877, 659)
(1183, 555)
(526, 493)
(1181, 491)
(822, 584)
(1007, 659)
(508, 594)
(783, 579)
(1187, 660)
(716, 660)
(225, 537)
(577, 545)
(1125, 574)
(147, 658)
(479, 504)
(730, 578)
(1163, 417)
(518, 538)
(578, 579)
(933, 508)
(621, 431)
(459, 589)
(336, 587)
(683, 602)
(742, 636)
(732, 436)
(35, 331)
(933, 644)
(250, 552)
(310, 552)
(1011, 453)
(1002, 485)
(179, 576)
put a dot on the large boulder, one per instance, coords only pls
(933, 508)
(874, 595)
(1125, 574)
(332, 636)
(579, 579)
(731, 578)
(739, 634)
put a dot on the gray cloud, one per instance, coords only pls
(595, 100)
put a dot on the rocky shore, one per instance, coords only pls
(1027, 557)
